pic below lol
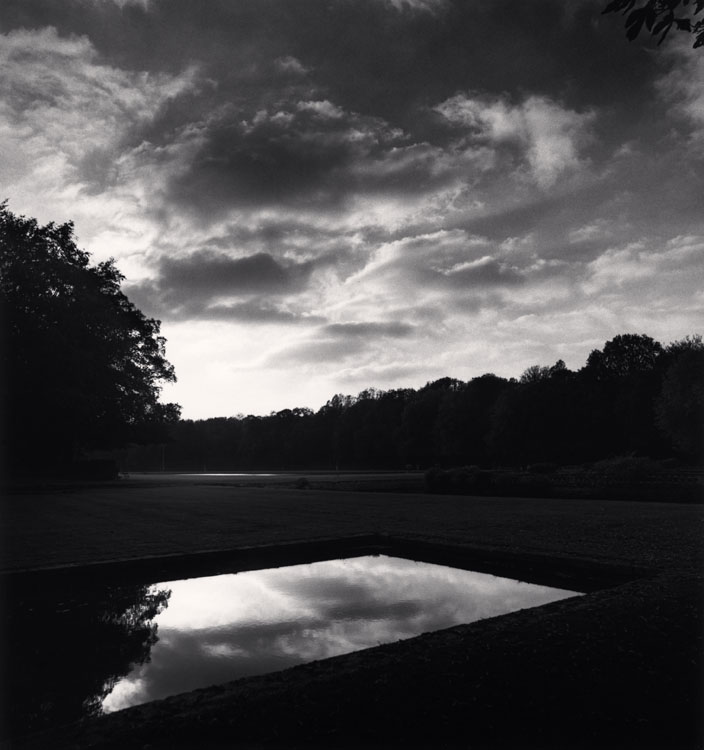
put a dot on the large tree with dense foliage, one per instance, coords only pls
(83, 366)
(623, 381)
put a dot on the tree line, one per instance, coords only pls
(632, 397)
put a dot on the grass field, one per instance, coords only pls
(620, 667)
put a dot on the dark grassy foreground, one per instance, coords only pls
(617, 668)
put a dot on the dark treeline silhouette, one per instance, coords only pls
(633, 397)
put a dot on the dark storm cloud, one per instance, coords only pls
(377, 59)
(149, 297)
(213, 274)
(265, 150)
(196, 285)
(299, 241)
(294, 155)
(387, 62)
(309, 155)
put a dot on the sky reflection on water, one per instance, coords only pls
(221, 628)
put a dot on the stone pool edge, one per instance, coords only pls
(559, 571)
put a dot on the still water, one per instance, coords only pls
(215, 629)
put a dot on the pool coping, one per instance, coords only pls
(559, 571)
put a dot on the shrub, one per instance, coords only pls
(625, 469)
(471, 480)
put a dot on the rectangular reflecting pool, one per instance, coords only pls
(220, 628)
(80, 653)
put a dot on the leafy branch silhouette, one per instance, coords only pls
(660, 16)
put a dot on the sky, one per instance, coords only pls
(321, 196)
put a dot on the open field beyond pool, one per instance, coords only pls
(619, 667)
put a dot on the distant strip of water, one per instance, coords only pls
(222, 474)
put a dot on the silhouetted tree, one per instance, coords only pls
(680, 404)
(536, 373)
(331, 417)
(624, 355)
(367, 431)
(660, 16)
(83, 365)
(464, 420)
(624, 380)
(538, 419)
(418, 421)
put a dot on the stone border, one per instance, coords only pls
(577, 574)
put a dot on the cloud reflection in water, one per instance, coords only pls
(221, 628)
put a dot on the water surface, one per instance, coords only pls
(220, 628)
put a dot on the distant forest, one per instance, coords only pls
(634, 397)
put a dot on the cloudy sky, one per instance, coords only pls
(318, 196)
